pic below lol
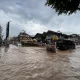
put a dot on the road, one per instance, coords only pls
(35, 63)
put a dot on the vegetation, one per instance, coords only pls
(64, 6)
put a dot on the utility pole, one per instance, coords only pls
(7, 34)
(7, 30)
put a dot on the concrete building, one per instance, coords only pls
(75, 38)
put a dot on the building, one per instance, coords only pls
(55, 35)
(75, 38)
(24, 37)
(38, 37)
(49, 35)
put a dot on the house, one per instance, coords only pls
(24, 37)
(38, 37)
(43, 37)
(50, 34)
(75, 38)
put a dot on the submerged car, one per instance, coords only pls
(65, 44)
(51, 47)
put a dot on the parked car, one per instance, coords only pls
(18, 44)
(65, 44)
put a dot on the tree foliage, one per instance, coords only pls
(64, 6)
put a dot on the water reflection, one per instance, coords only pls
(0, 49)
(0, 52)
(6, 49)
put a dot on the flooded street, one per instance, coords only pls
(35, 63)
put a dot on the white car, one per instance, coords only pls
(18, 44)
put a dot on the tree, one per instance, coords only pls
(64, 6)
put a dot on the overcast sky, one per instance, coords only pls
(34, 17)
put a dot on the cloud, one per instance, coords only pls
(33, 16)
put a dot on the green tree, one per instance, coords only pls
(64, 6)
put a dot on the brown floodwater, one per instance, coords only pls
(35, 63)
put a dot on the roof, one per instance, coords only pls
(23, 33)
(38, 35)
(49, 32)
(52, 32)
(74, 35)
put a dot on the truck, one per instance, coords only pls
(65, 44)
(60, 44)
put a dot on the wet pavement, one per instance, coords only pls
(35, 63)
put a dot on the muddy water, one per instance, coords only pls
(35, 63)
